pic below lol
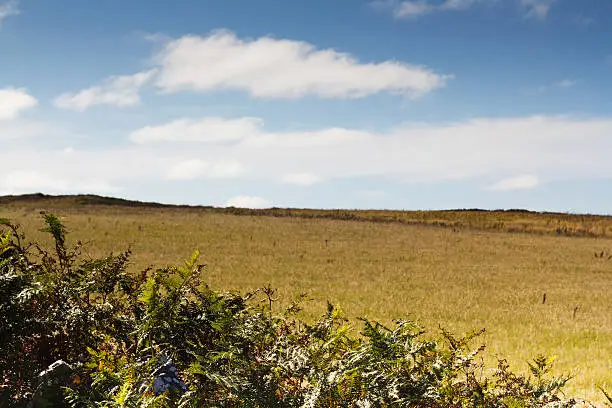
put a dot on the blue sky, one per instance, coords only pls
(422, 104)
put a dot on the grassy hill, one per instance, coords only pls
(512, 220)
(462, 269)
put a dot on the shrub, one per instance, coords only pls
(163, 338)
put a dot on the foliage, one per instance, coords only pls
(119, 330)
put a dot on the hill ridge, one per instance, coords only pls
(95, 199)
(505, 220)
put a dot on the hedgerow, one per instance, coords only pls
(83, 332)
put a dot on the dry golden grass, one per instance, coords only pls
(460, 279)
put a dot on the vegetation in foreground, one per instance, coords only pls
(162, 338)
(464, 278)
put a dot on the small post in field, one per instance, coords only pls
(575, 311)
(544, 298)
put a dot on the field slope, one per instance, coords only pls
(463, 269)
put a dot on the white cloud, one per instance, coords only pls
(371, 193)
(552, 147)
(187, 170)
(566, 83)
(460, 4)
(16, 130)
(264, 67)
(195, 168)
(8, 9)
(582, 20)
(301, 179)
(206, 130)
(562, 84)
(120, 91)
(277, 68)
(55, 170)
(416, 8)
(246, 130)
(525, 182)
(13, 101)
(315, 139)
(28, 181)
(412, 9)
(248, 202)
(537, 9)
(229, 169)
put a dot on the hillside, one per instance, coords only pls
(458, 269)
(511, 220)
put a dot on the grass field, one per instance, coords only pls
(458, 269)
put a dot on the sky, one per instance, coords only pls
(390, 104)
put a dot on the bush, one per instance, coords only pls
(162, 338)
